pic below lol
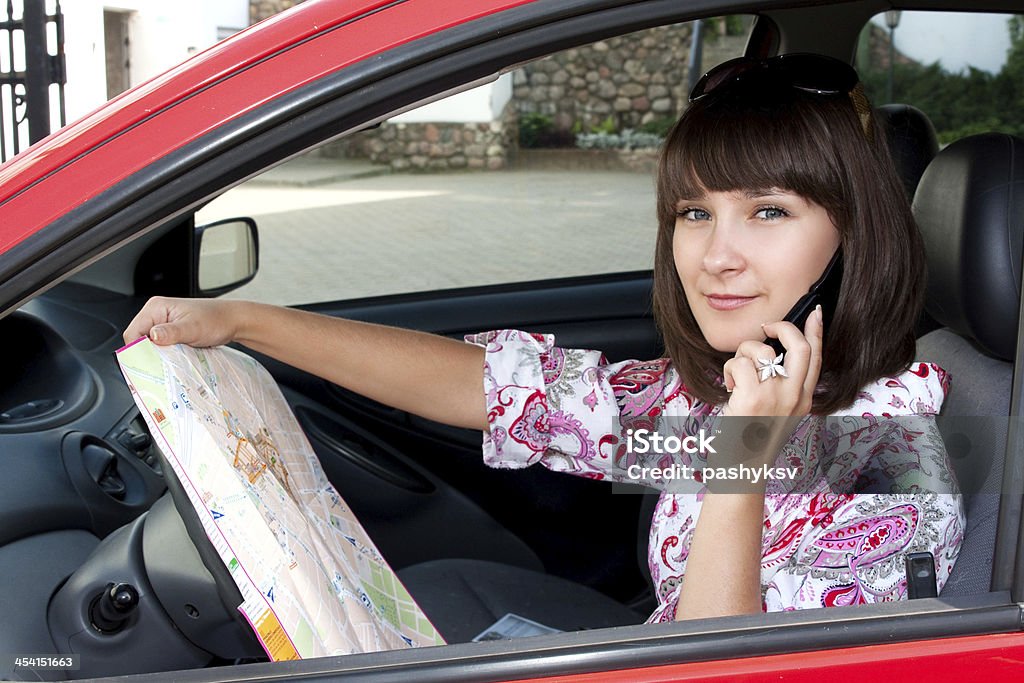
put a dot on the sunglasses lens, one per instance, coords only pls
(726, 72)
(811, 73)
(816, 73)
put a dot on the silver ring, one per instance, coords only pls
(771, 368)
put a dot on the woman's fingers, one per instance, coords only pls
(798, 349)
(176, 332)
(790, 394)
(759, 353)
(155, 311)
(738, 373)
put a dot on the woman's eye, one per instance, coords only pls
(771, 213)
(693, 214)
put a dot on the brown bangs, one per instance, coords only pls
(776, 145)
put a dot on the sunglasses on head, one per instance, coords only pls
(811, 73)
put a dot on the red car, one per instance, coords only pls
(102, 214)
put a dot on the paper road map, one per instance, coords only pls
(312, 581)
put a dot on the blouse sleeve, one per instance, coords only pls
(891, 492)
(563, 407)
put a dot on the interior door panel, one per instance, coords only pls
(427, 493)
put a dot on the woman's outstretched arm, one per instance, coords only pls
(431, 376)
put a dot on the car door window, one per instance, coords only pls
(547, 172)
(964, 70)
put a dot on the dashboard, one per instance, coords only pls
(84, 564)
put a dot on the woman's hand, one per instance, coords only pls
(196, 322)
(776, 396)
(761, 416)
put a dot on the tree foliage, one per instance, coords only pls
(959, 104)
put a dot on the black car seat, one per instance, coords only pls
(912, 141)
(970, 208)
(913, 144)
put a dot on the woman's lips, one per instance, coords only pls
(727, 303)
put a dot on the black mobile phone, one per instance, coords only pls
(825, 292)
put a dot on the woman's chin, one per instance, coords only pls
(728, 343)
(725, 345)
(725, 331)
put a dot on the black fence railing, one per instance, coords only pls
(31, 62)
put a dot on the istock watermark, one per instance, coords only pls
(840, 455)
(645, 441)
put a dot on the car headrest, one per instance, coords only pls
(970, 208)
(912, 141)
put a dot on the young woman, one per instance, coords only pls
(775, 166)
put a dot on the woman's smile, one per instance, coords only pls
(727, 302)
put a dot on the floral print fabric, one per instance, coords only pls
(826, 545)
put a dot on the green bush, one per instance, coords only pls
(538, 131)
(736, 24)
(607, 127)
(660, 126)
(533, 128)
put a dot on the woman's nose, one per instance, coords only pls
(723, 253)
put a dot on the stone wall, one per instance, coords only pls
(632, 79)
(433, 146)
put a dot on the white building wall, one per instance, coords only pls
(479, 105)
(161, 34)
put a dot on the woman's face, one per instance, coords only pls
(744, 258)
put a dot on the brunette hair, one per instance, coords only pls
(747, 137)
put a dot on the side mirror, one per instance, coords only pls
(226, 256)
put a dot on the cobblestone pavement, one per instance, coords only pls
(329, 232)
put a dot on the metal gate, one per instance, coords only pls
(31, 61)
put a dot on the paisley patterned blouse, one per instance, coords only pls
(822, 546)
